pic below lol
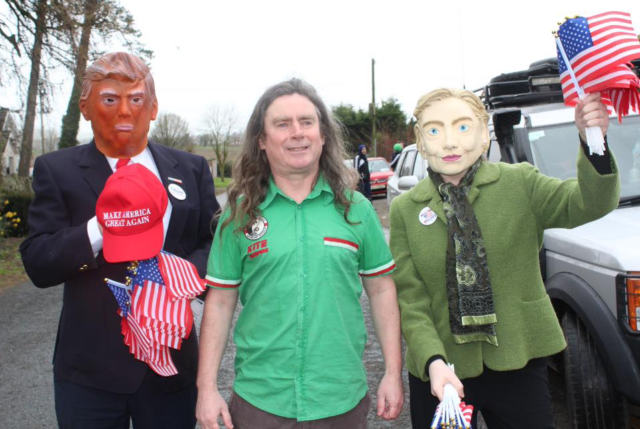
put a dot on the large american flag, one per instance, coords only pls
(599, 49)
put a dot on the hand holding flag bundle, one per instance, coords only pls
(452, 413)
(155, 308)
(593, 54)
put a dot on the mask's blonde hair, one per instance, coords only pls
(120, 64)
(439, 94)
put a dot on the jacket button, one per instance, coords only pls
(85, 267)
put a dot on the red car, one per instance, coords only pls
(380, 173)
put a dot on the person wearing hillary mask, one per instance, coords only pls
(97, 382)
(466, 242)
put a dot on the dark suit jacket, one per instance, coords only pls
(89, 347)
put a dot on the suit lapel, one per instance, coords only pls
(96, 169)
(168, 167)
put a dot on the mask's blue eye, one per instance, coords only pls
(433, 131)
(464, 128)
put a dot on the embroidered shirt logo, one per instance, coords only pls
(258, 229)
(257, 249)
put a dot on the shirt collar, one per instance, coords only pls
(143, 158)
(321, 187)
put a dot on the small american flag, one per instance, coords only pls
(148, 270)
(598, 48)
(180, 276)
(122, 294)
(467, 412)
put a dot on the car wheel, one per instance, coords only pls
(592, 400)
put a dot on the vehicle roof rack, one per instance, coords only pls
(539, 84)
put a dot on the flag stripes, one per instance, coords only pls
(155, 310)
(599, 49)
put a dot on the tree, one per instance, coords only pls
(71, 120)
(391, 125)
(106, 19)
(50, 140)
(173, 131)
(32, 93)
(221, 124)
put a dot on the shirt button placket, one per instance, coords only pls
(301, 339)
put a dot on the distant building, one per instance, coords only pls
(9, 143)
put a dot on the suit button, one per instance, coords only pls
(85, 267)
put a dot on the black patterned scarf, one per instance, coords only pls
(471, 312)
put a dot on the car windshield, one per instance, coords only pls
(378, 166)
(554, 149)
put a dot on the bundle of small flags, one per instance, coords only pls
(155, 308)
(593, 54)
(452, 413)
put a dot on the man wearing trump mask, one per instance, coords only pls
(97, 380)
(466, 242)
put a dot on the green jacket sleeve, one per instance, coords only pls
(418, 329)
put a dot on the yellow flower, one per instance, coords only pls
(18, 220)
(15, 225)
(6, 202)
(9, 215)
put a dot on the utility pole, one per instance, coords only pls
(373, 107)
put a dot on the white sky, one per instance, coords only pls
(229, 52)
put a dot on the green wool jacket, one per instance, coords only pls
(514, 204)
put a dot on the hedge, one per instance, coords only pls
(14, 208)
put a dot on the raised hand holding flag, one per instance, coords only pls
(592, 57)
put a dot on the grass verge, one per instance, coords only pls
(11, 269)
(221, 187)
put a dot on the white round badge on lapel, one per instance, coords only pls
(427, 216)
(177, 192)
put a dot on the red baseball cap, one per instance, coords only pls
(130, 210)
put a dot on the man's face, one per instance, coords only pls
(292, 139)
(452, 137)
(120, 112)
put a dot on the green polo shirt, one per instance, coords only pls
(301, 335)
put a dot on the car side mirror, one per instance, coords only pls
(407, 182)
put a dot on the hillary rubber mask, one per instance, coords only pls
(451, 137)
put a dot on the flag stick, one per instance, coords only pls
(118, 284)
(595, 139)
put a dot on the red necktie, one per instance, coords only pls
(123, 162)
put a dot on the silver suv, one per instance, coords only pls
(592, 272)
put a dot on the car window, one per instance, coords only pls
(494, 149)
(555, 148)
(378, 166)
(418, 166)
(407, 167)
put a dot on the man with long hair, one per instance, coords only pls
(294, 244)
(97, 381)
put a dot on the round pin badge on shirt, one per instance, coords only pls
(258, 229)
(177, 192)
(427, 216)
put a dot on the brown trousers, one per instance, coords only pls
(246, 416)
